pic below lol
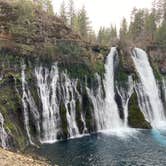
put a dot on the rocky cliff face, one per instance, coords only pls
(43, 102)
(53, 84)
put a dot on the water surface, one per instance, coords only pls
(143, 148)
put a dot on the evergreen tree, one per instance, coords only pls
(107, 36)
(63, 13)
(92, 36)
(136, 28)
(83, 23)
(71, 14)
(45, 5)
(161, 34)
(150, 26)
(123, 29)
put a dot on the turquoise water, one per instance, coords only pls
(143, 148)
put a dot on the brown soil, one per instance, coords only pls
(8, 158)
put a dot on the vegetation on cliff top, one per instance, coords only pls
(31, 29)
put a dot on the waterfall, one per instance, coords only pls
(98, 104)
(79, 97)
(53, 88)
(47, 82)
(106, 111)
(111, 116)
(56, 88)
(125, 94)
(164, 89)
(25, 105)
(147, 90)
(1, 77)
(68, 88)
(3, 134)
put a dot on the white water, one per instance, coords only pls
(53, 89)
(68, 88)
(25, 105)
(98, 104)
(111, 116)
(147, 90)
(164, 89)
(106, 111)
(125, 94)
(47, 84)
(79, 97)
(3, 134)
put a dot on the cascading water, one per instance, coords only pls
(56, 89)
(111, 117)
(3, 134)
(79, 98)
(106, 111)
(125, 94)
(147, 90)
(53, 89)
(47, 83)
(164, 89)
(25, 105)
(98, 104)
(68, 88)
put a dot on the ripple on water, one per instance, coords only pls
(104, 149)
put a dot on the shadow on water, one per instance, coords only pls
(159, 136)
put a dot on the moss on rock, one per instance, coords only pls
(136, 118)
(78, 116)
(63, 120)
(10, 107)
(88, 111)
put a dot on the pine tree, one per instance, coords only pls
(71, 14)
(45, 5)
(63, 13)
(123, 29)
(150, 26)
(137, 24)
(83, 23)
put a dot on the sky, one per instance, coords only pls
(106, 12)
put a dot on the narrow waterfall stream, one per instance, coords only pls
(98, 103)
(47, 84)
(3, 134)
(111, 116)
(125, 95)
(68, 88)
(25, 104)
(147, 90)
(164, 89)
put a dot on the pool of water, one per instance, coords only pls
(141, 148)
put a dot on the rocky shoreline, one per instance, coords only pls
(8, 158)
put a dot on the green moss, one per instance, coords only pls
(10, 107)
(121, 75)
(155, 67)
(136, 118)
(79, 86)
(69, 48)
(99, 67)
(63, 120)
(156, 72)
(79, 70)
(78, 116)
(88, 111)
